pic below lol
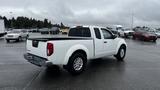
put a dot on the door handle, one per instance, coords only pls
(105, 41)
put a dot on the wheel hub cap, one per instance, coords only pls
(78, 64)
(122, 53)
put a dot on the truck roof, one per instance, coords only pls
(90, 26)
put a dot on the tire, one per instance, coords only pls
(125, 36)
(27, 37)
(78, 59)
(121, 53)
(142, 38)
(19, 39)
(133, 37)
(7, 40)
(119, 34)
(154, 40)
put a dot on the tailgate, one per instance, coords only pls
(37, 47)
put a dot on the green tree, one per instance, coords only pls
(26, 23)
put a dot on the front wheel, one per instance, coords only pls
(121, 53)
(7, 40)
(133, 37)
(19, 39)
(125, 35)
(27, 37)
(154, 40)
(76, 64)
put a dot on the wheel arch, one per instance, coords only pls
(75, 49)
(122, 43)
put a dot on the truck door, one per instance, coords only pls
(108, 42)
(98, 42)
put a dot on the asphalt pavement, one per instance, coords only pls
(139, 71)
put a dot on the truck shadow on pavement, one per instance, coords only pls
(99, 70)
(95, 68)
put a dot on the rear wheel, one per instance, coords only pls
(121, 53)
(133, 37)
(76, 64)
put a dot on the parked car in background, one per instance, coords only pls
(17, 35)
(33, 31)
(125, 32)
(155, 32)
(158, 34)
(144, 35)
(64, 31)
(53, 30)
(114, 31)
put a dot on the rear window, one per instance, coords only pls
(80, 32)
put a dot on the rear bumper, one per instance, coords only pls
(158, 36)
(36, 60)
(150, 38)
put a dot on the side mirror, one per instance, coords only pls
(114, 36)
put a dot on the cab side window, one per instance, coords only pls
(106, 34)
(97, 33)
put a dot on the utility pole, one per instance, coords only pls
(132, 21)
(11, 20)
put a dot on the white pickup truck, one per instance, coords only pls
(82, 44)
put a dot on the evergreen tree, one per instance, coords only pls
(1, 17)
(45, 23)
(62, 26)
(27, 23)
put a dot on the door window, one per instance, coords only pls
(106, 34)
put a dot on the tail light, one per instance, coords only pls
(50, 49)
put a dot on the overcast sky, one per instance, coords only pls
(87, 12)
